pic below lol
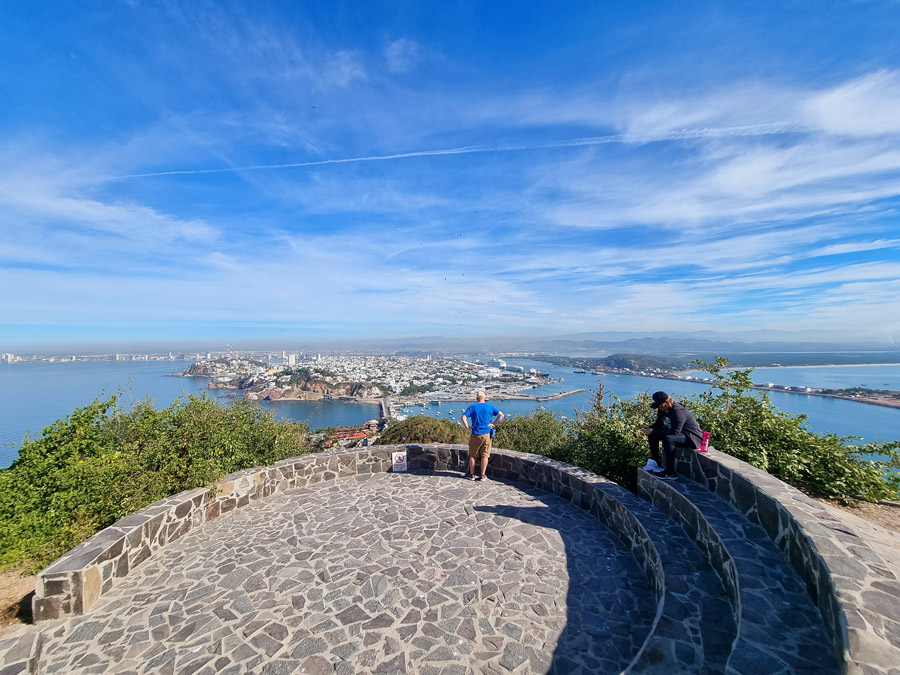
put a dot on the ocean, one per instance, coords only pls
(34, 395)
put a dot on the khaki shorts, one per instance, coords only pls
(479, 446)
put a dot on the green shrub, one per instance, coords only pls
(102, 463)
(607, 440)
(413, 389)
(541, 432)
(423, 429)
(745, 424)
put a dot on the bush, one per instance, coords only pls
(607, 440)
(423, 429)
(541, 432)
(745, 424)
(102, 463)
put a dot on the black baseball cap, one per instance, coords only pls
(659, 398)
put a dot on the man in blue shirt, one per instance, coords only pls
(481, 415)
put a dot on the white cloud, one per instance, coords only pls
(343, 69)
(866, 106)
(855, 247)
(402, 55)
(34, 201)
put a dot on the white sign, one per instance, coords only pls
(399, 459)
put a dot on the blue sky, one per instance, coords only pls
(177, 170)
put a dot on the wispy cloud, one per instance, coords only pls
(402, 55)
(866, 106)
(344, 68)
(681, 135)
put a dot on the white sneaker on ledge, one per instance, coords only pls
(651, 465)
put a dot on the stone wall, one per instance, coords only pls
(855, 591)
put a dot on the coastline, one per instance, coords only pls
(822, 365)
(677, 377)
(886, 403)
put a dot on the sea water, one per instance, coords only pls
(34, 395)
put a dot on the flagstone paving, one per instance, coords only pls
(383, 573)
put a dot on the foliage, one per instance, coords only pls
(617, 362)
(299, 374)
(747, 426)
(541, 433)
(413, 389)
(103, 462)
(423, 429)
(607, 440)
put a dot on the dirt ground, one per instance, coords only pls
(16, 590)
(15, 598)
(886, 514)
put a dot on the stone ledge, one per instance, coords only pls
(854, 590)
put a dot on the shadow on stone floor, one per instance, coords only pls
(610, 605)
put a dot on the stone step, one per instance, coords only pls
(695, 627)
(778, 627)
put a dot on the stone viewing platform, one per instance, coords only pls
(329, 563)
(386, 573)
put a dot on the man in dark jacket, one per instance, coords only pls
(676, 427)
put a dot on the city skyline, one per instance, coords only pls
(329, 171)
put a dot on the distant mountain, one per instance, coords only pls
(684, 344)
(598, 343)
(745, 336)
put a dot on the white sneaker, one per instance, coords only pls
(651, 465)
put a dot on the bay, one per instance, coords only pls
(34, 395)
(824, 415)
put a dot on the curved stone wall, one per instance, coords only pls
(855, 591)
(73, 583)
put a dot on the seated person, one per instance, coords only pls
(676, 427)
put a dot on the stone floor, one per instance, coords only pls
(388, 573)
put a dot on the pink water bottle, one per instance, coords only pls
(704, 444)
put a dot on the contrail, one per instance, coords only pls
(683, 134)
